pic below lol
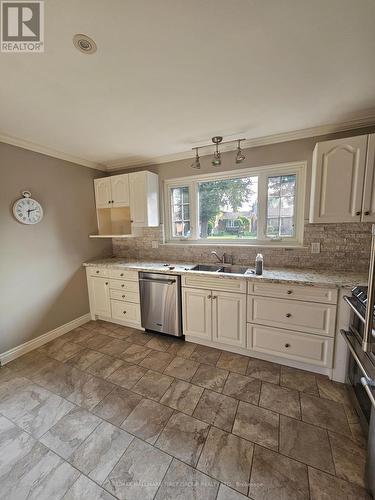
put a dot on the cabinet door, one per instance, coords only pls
(120, 190)
(196, 311)
(229, 318)
(368, 207)
(337, 180)
(103, 194)
(99, 297)
(137, 184)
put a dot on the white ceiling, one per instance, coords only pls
(169, 74)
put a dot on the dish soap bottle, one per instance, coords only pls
(259, 264)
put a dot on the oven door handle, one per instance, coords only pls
(357, 313)
(367, 383)
(346, 336)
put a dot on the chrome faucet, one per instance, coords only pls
(223, 258)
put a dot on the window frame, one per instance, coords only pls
(263, 172)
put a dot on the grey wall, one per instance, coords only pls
(42, 282)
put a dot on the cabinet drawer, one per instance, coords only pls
(102, 272)
(301, 347)
(126, 311)
(215, 283)
(295, 292)
(123, 274)
(292, 315)
(125, 296)
(127, 286)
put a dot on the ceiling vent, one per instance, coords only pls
(84, 44)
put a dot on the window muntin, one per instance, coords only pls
(180, 205)
(281, 193)
(278, 211)
(228, 208)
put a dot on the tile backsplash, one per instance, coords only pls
(344, 247)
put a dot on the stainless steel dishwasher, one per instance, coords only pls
(161, 303)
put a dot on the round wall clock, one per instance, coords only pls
(26, 210)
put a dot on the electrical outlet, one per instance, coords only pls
(155, 244)
(315, 247)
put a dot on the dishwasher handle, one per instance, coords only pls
(167, 282)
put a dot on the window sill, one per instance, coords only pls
(276, 244)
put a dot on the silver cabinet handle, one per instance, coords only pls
(214, 296)
(289, 292)
(288, 315)
(209, 296)
(124, 312)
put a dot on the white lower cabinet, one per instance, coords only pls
(126, 311)
(306, 348)
(306, 317)
(216, 316)
(112, 299)
(99, 296)
(197, 313)
(229, 318)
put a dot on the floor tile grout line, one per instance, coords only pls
(172, 456)
(153, 400)
(113, 383)
(138, 438)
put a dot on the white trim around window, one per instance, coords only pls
(263, 173)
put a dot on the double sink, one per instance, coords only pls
(211, 268)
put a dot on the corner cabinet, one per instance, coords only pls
(126, 202)
(342, 186)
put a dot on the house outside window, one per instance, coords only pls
(249, 207)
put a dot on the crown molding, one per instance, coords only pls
(38, 148)
(248, 143)
(130, 162)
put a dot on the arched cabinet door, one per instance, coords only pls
(337, 183)
(368, 206)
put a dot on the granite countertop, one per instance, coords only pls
(311, 277)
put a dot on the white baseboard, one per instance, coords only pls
(18, 351)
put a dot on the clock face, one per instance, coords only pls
(27, 211)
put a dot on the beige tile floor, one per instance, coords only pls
(109, 412)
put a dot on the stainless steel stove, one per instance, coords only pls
(360, 338)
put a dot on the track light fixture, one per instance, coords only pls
(239, 156)
(216, 160)
(196, 163)
(217, 155)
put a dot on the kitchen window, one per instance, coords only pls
(245, 207)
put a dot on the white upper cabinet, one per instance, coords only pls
(144, 199)
(368, 205)
(337, 186)
(112, 191)
(136, 194)
(120, 190)
(103, 195)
